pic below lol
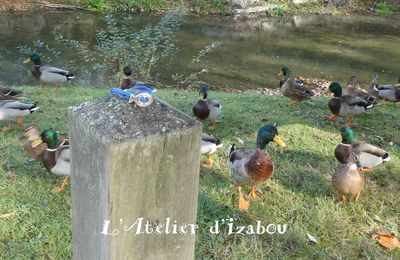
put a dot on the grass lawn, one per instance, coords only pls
(35, 223)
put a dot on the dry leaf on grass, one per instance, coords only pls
(6, 215)
(386, 239)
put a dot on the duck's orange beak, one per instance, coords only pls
(280, 74)
(27, 61)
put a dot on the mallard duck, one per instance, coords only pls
(47, 74)
(9, 94)
(346, 106)
(207, 109)
(389, 92)
(348, 180)
(253, 165)
(209, 145)
(15, 111)
(294, 88)
(353, 89)
(53, 153)
(368, 156)
(128, 81)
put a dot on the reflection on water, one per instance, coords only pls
(251, 53)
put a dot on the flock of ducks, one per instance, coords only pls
(248, 166)
(252, 166)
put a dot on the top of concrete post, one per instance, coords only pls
(115, 120)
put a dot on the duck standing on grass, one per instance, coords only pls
(368, 155)
(253, 165)
(348, 180)
(346, 106)
(294, 88)
(12, 110)
(53, 153)
(389, 92)
(209, 145)
(207, 109)
(47, 74)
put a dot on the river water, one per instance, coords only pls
(251, 52)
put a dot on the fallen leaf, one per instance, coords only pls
(311, 238)
(389, 242)
(386, 239)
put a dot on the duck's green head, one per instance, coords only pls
(203, 92)
(285, 71)
(50, 137)
(35, 58)
(127, 71)
(348, 135)
(268, 133)
(336, 89)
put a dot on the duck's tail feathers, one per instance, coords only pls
(70, 76)
(231, 149)
(386, 157)
(33, 109)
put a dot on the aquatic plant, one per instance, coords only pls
(117, 46)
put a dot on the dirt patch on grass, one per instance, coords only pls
(14, 5)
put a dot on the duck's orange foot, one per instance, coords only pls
(294, 103)
(60, 188)
(213, 125)
(343, 200)
(365, 170)
(209, 163)
(332, 117)
(357, 196)
(349, 122)
(243, 204)
(21, 120)
(253, 195)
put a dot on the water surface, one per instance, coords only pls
(251, 54)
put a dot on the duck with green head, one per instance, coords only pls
(346, 106)
(294, 88)
(253, 166)
(52, 152)
(368, 156)
(207, 109)
(48, 74)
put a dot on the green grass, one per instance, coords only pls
(299, 194)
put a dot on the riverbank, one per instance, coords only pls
(247, 7)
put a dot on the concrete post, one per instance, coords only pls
(132, 170)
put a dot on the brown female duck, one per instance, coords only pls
(293, 88)
(348, 180)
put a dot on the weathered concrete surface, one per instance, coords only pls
(129, 162)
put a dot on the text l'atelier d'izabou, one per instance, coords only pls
(171, 227)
